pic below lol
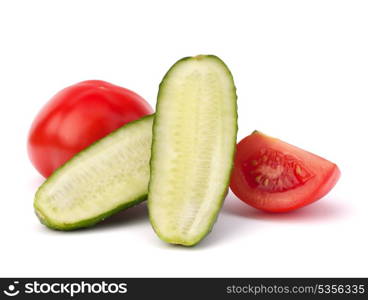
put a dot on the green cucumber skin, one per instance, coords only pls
(91, 221)
(214, 216)
(88, 222)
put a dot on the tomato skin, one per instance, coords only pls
(76, 117)
(325, 176)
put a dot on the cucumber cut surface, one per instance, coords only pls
(194, 138)
(108, 176)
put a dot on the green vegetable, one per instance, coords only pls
(107, 177)
(194, 138)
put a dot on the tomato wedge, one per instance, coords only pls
(275, 176)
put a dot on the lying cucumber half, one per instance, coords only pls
(110, 175)
(194, 137)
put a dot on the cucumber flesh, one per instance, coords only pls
(108, 176)
(194, 138)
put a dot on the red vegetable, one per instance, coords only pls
(274, 176)
(76, 117)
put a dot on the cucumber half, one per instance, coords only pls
(108, 176)
(194, 138)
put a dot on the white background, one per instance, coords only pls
(301, 69)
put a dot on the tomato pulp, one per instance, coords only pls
(78, 116)
(274, 176)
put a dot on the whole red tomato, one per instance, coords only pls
(76, 117)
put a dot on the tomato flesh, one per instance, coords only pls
(274, 176)
(272, 171)
(76, 117)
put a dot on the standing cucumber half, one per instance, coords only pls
(109, 176)
(194, 138)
